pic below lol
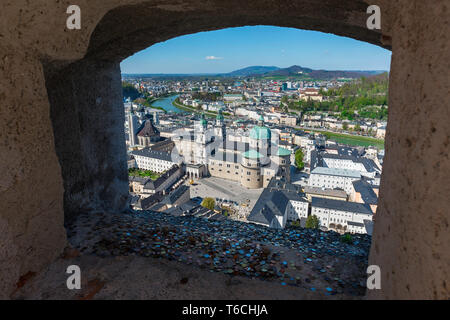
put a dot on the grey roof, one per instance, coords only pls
(285, 143)
(341, 205)
(174, 211)
(282, 184)
(176, 194)
(269, 205)
(273, 201)
(141, 180)
(366, 191)
(188, 206)
(326, 192)
(300, 133)
(337, 172)
(134, 199)
(148, 130)
(147, 152)
(345, 150)
(356, 224)
(154, 184)
(146, 203)
(369, 226)
(161, 143)
(316, 160)
(369, 164)
(338, 156)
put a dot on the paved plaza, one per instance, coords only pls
(229, 190)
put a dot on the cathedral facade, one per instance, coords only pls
(253, 164)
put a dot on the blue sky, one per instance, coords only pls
(234, 48)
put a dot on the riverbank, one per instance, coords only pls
(164, 103)
(210, 114)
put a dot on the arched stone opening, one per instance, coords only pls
(411, 241)
(85, 98)
(83, 92)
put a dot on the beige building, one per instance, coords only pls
(310, 94)
(288, 121)
(253, 164)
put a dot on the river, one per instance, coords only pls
(166, 104)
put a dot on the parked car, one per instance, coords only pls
(197, 200)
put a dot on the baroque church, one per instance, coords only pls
(208, 151)
(146, 135)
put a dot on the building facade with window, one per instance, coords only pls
(332, 178)
(156, 161)
(341, 216)
(253, 164)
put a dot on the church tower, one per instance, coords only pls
(132, 128)
(200, 130)
(201, 140)
(220, 129)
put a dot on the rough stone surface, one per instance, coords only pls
(411, 239)
(31, 220)
(139, 278)
(87, 114)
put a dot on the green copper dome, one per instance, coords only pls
(260, 133)
(282, 152)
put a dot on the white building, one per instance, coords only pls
(232, 97)
(341, 215)
(366, 167)
(156, 161)
(297, 209)
(279, 203)
(332, 178)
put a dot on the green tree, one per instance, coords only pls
(347, 238)
(129, 91)
(345, 126)
(299, 159)
(209, 203)
(312, 222)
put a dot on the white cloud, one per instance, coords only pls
(213, 58)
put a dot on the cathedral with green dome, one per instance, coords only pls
(252, 161)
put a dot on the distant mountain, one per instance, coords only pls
(268, 71)
(251, 71)
(319, 74)
(291, 71)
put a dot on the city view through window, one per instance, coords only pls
(224, 158)
(256, 152)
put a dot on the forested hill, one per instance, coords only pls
(370, 86)
(129, 91)
(362, 98)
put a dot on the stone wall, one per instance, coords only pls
(88, 116)
(31, 187)
(56, 84)
(411, 238)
